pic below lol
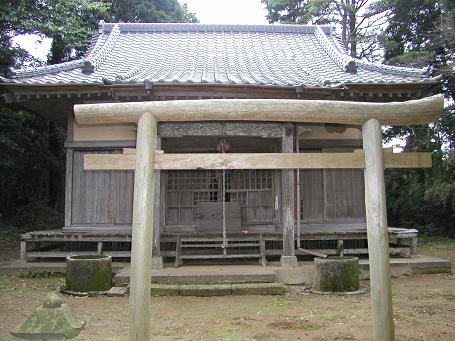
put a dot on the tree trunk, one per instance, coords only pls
(352, 29)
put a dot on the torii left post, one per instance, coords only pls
(142, 231)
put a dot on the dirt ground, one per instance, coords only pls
(424, 309)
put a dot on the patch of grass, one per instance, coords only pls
(14, 287)
(438, 246)
(157, 305)
(404, 338)
(400, 317)
(62, 284)
(426, 295)
(173, 331)
(29, 274)
(282, 302)
(301, 324)
(225, 334)
(107, 337)
(266, 336)
(210, 315)
(437, 242)
(344, 336)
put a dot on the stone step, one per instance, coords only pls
(209, 274)
(204, 290)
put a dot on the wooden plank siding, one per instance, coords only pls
(100, 197)
(311, 195)
(344, 195)
(332, 195)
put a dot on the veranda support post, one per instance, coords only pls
(377, 230)
(288, 257)
(142, 229)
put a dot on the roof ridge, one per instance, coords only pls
(93, 43)
(197, 27)
(100, 53)
(391, 69)
(93, 60)
(343, 60)
(340, 59)
(36, 71)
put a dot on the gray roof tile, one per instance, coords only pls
(290, 55)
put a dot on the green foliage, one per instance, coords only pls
(411, 25)
(409, 206)
(31, 161)
(70, 22)
(36, 215)
(425, 199)
(150, 11)
(63, 285)
(421, 33)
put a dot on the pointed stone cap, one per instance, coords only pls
(52, 321)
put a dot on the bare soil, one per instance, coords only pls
(424, 309)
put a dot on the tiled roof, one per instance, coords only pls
(275, 55)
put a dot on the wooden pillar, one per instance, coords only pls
(377, 230)
(23, 250)
(413, 246)
(157, 260)
(142, 231)
(69, 172)
(288, 257)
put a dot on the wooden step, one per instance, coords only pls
(220, 245)
(217, 239)
(58, 254)
(220, 256)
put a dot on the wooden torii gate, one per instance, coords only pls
(145, 161)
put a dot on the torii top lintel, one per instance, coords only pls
(420, 111)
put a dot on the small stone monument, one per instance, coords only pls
(53, 321)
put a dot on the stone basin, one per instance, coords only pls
(336, 274)
(89, 273)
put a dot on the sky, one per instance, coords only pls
(228, 11)
(207, 11)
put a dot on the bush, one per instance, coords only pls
(36, 216)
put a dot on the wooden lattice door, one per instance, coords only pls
(253, 190)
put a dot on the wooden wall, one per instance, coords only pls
(100, 197)
(332, 195)
(103, 199)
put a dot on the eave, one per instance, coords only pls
(378, 92)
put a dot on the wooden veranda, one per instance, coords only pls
(178, 247)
